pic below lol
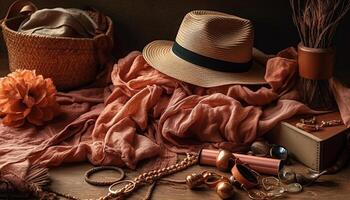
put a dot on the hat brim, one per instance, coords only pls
(160, 56)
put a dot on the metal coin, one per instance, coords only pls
(294, 188)
(277, 192)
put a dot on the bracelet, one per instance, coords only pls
(103, 183)
(245, 176)
(128, 188)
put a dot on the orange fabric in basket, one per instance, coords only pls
(144, 113)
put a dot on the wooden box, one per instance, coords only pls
(317, 150)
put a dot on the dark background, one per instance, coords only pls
(138, 22)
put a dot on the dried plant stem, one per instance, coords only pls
(318, 93)
(317, 22)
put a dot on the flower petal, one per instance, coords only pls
(13, 120)
(25, 96)
(36, 116)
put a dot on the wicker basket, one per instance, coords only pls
(69, 62)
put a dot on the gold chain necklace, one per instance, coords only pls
(147, 178)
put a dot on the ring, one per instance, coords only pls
(119, 182)
(103, 183)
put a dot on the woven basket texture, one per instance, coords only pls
(69, 62)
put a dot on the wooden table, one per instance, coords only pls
(70, 179)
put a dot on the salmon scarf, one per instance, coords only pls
(145, 114)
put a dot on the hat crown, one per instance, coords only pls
(217, 35)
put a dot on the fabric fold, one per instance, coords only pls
(146, 115)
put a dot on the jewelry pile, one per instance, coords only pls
(242, 177)
(311, 125)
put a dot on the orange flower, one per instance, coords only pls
(24, 96)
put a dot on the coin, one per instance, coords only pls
(294, 188)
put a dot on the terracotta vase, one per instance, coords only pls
(316, 63)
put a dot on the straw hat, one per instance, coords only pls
(211, 49)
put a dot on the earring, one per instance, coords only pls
(197, 180)
(222, 185)
(309, 121)
(329, 123)
(308, 127)
(206, 178)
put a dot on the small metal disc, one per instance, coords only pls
(277, 192)
(294, 188)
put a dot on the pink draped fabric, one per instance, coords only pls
(144, 113)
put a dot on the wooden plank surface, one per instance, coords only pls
(70, 179)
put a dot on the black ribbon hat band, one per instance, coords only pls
(210, 63)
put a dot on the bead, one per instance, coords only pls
(279, 152)
(148, 179)
(224, 160)
(260, 148)
(194, 180)
(224, 189)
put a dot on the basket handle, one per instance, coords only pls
(20, 7)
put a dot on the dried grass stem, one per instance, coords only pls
(317, 20)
